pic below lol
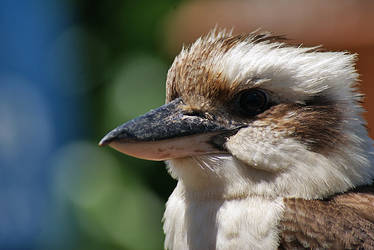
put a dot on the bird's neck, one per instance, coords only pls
(217, 177)
(212, 209)
(192, 222)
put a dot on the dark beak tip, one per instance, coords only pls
(105, 141)
(102, 143)
(119, 134)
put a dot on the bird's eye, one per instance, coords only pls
(252, 102)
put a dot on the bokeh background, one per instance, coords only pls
(71, 70)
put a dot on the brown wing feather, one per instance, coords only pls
(344, 221)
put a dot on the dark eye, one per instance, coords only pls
(252, 102)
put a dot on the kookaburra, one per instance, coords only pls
(268, 145)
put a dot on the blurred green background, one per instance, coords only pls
(72, 70)
(103, 199)
(83, 68)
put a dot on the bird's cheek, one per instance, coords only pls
(178, 147)
(259, 149)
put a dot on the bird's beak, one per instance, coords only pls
(166, 133)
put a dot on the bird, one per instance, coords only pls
(267, 142)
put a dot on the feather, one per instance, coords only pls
(344, 221)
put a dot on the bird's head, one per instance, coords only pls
(249, 114)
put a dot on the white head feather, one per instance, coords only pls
(266, 160)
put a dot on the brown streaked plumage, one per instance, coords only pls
(344, 221)
(317, 124)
